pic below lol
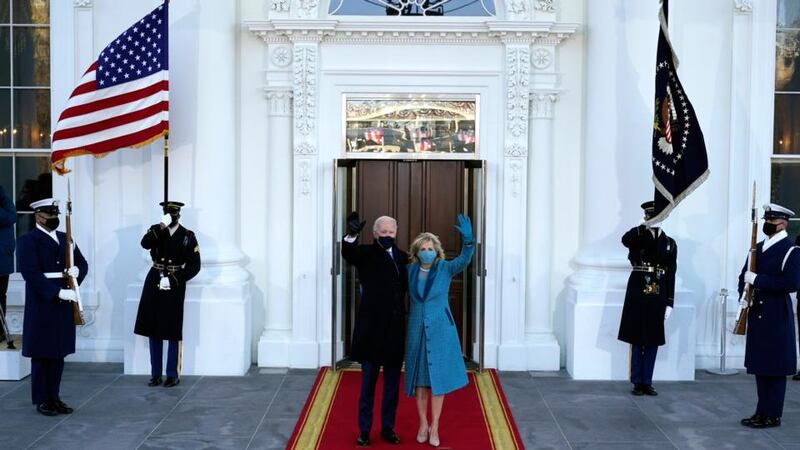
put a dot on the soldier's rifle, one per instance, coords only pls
(72, 283)
(741, 322)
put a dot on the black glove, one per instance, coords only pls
(353, 225)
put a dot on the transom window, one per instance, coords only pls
(786, 145)
(25, 105)
(412, 8)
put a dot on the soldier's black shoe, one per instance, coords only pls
(755, 418)
(363, 440)
(155, 381)
(637, 390)
(390, 437)
(171, 382)
(767, 422)
(649, 390)
(46, 409)
(62, 407)
(796, 376)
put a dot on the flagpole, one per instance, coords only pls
(166, 166)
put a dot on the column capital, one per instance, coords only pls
(280, 101)
(743, 6)
(542, 102)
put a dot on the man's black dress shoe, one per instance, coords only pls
(637, 390)
(46, 409)
(172, 382)
(755, 418)
(155, 381)
(767, 422)
(390, 437)
(62, 407)
(363, 440)
(649, 390)
(796, 377)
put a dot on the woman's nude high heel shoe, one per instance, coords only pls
(422, 438)
(434, 441)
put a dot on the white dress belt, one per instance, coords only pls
(53, 275)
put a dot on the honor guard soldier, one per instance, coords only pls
(49, 327)
(176, 260)
(648, 299)
(769, 353)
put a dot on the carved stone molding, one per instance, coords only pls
(545, 6)
(305, 149)
(744, 6)
(280, 102)
(515, 178)
(288, 31)
(280, 5)
(305, 88)
(542, 104)
(518, 9)
(281, 56)
(305, 9)
(82, 3)
(518, 72)
(89, 317)
(14, 319)
(304, 177)
(516, 151)
(542, 58)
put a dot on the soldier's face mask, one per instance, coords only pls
(50, 222)
(770, 228)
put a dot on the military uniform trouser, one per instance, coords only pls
(46, 379)
(771, 392)
(643, 362)
(157, 358)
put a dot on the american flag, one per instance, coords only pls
(680, 161)
(122, 100)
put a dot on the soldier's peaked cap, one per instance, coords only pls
(775, 211)
(171, 205)
(47, 205)
(649, 207)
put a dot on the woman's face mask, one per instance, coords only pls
(426, 256)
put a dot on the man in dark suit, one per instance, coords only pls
(176, 260)
(770, 349)
(8, 217)
(49, 327)
(648, 298)
(379, 332)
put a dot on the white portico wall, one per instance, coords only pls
(616, 172)
(328, 60)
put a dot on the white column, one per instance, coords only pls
(543, 352)
(511, 353)
(203, 170)
(616, 180)
(305, 346)
(273, 347)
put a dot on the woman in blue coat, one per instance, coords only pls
(434, 364)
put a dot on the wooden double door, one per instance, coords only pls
(422, 195)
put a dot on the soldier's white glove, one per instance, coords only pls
(67, 295)
(667, 312)
(743, 303)
(749, 277)
(164, 284)
(166, 219)
(73, 272)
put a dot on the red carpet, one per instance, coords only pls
(474, 417)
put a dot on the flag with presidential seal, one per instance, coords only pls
(680, 162)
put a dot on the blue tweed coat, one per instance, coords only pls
(430, 312)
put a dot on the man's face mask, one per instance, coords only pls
(769, 228)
